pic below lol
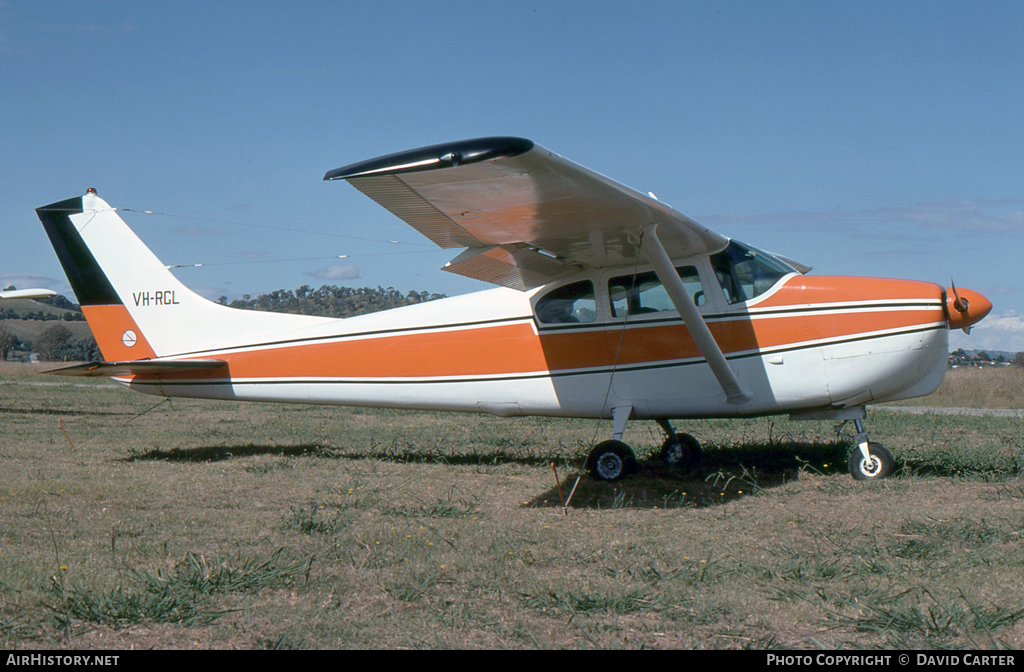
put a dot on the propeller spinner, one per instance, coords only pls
(965, 307)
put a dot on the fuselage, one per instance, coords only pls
(807, 342)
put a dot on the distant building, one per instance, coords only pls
(960, 358)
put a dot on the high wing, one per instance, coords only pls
(27, 293)
(527, 215)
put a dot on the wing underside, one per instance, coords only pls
(27, 293)
(526, 215)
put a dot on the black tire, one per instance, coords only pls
(611, 461)
(878, 467)
(681, 452)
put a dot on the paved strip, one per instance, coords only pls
(935, 410)
(36, 383)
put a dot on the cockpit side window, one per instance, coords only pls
(568, 304)
(746, 272)
(643, 293)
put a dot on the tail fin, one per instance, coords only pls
(135, 307)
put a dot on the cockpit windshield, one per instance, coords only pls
(568, 304)
(746, 272)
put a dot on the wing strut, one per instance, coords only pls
(734, 392)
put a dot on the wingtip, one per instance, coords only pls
(445, 155)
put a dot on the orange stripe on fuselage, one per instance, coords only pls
(469, 352)
(517, 349)
(642, 345)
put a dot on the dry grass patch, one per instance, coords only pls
(221, 525)
(993, 387)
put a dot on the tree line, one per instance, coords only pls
(56, 343)
(331, 300)
(60, 301)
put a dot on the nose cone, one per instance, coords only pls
(965, 307)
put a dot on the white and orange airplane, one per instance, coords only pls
(611, 305)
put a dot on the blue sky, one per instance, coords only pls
(862, 138)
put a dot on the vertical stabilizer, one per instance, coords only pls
(136, 308)
(116, 333)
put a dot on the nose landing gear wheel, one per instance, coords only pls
(877, 467)
(681, 452)
(611, 461)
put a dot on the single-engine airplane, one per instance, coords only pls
(611, 304)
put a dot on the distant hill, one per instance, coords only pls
(991, 353)
(27, 319)
(331, 300)
(23, 321)
(53, 308)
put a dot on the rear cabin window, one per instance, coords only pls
(568, 304)
(643, 293)
(745, 272)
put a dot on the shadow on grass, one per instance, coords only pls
(221, 453)
(388, 454)
(725, 475)
(62, 412)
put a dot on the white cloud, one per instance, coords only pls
(28, 280)
(998, 331)
(978, 215)
(986, 215)
(345, 272)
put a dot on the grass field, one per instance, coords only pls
(1001, 387)
(195, 524)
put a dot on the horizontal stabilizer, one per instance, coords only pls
(140, 367)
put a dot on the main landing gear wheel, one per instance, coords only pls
(877, 467)
(611, 461)
(681, 452)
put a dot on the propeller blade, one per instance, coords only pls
(962, 305)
